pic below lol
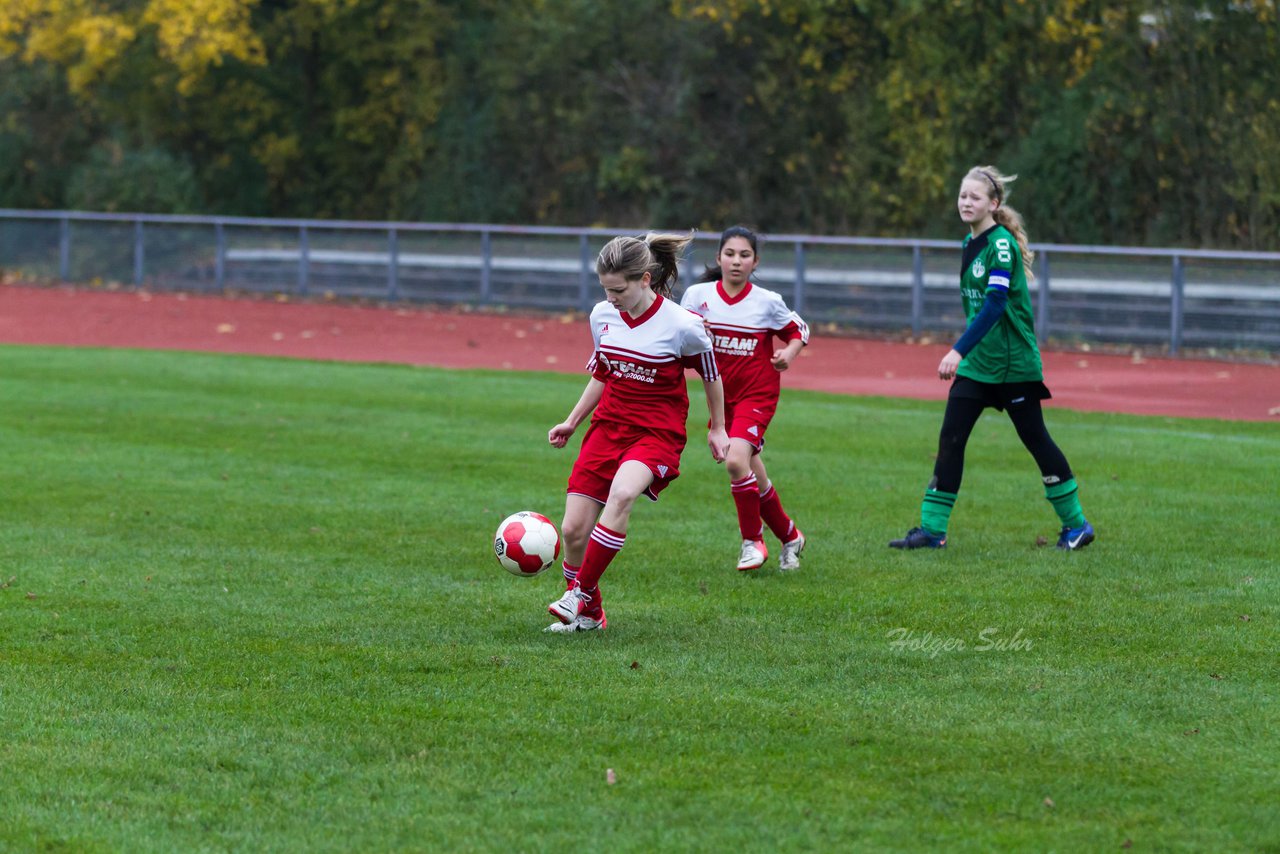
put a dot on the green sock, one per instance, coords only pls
(935, 510)
(1065, 499)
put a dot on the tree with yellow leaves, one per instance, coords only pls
(90, 40)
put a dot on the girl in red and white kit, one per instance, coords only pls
(744, 318)
(643, 343)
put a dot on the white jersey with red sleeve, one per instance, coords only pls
(642, 361)
(741, 328)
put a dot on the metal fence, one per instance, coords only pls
(1165, 299)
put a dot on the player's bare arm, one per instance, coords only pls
(559, 435)
(717, 438)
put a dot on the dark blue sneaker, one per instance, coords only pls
(919, 538)
(1075, 538)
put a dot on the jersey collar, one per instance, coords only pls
(724, 295)
(973, 245)
(633, 322)
(980, 240)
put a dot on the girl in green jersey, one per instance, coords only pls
(995, 363)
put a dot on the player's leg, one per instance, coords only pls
(580, 515)
(632, 479)
(958, 420)
(1060, 487)
(746, 499)
(588, 489)
(605, 540)
(775, 516)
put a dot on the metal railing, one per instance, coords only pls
(1168, 299)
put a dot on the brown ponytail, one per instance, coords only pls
(657, 253)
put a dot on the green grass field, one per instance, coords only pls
(250, 604)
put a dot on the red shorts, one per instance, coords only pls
(748, 419)
(608, 445)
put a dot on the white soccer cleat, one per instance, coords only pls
(567, 608)
(790, 557)
(579, 623)
(753, 556)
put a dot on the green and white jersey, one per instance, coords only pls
(1008, 352)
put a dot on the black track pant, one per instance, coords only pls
(963, 413)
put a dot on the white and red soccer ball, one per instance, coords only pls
(526, 543)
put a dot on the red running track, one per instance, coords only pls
(76, 317)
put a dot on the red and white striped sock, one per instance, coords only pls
(570, 575)
(602, 548)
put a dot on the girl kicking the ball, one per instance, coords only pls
(643, 342)
(744, 318)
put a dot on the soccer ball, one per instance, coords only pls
(526, 543)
